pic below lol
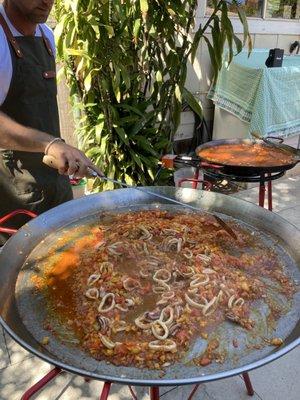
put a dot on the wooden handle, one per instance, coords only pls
(50, 161)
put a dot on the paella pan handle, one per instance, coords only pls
(7, 217)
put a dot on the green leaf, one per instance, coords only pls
(136, 158)
(213, 60)
(192, 102)
(238, 44)
(88, 81)
(243, 19)
(145, 145)
(178, 93)
(158, 77)
(144, 6)
(76, 52)
(136, 28)
(125, 76)
(122, 134)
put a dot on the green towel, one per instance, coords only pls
(266, 98)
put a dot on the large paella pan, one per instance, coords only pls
(26, 257)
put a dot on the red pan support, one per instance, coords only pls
(41, 383)
(9, 216)
(153, 390)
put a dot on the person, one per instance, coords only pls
(29, 120)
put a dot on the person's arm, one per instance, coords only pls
(70, 160)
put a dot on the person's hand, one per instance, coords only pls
(71, 161)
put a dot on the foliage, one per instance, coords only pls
(126, 63)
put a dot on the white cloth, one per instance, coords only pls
(5, 56)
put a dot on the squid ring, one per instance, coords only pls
(193, 303)
(239, 302)
(163, 287)
(92, 293)
(167, 345)
(130, 284)
(103, 302)
(165, 275)
(107, 342)
(141, 323)
(157, 327)
(167, 312)
(93, 279)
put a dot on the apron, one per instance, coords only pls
(25, 182)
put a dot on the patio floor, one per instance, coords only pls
(276, 381)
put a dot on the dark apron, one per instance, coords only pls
(25, 182)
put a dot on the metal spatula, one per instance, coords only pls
(51, 162)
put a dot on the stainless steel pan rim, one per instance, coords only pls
(56, 218)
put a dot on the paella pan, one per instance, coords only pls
(248, 157)
(24, 310)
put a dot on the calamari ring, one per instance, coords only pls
(131, 284)
(173, 241)
(193, 303)
(158, 345)
(188, 254)
(167, 313)
(107, 342)
(92, 293)
(103, 302)
(92, 279)
(163, 287)
(165, 275)
(156, 328)
(239, 302)
(190, 272)
(146, 234)
(141, 323)
(144, 273)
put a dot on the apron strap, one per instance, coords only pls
(10, 37)
(46, 42)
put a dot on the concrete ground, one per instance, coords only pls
(279, 380)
